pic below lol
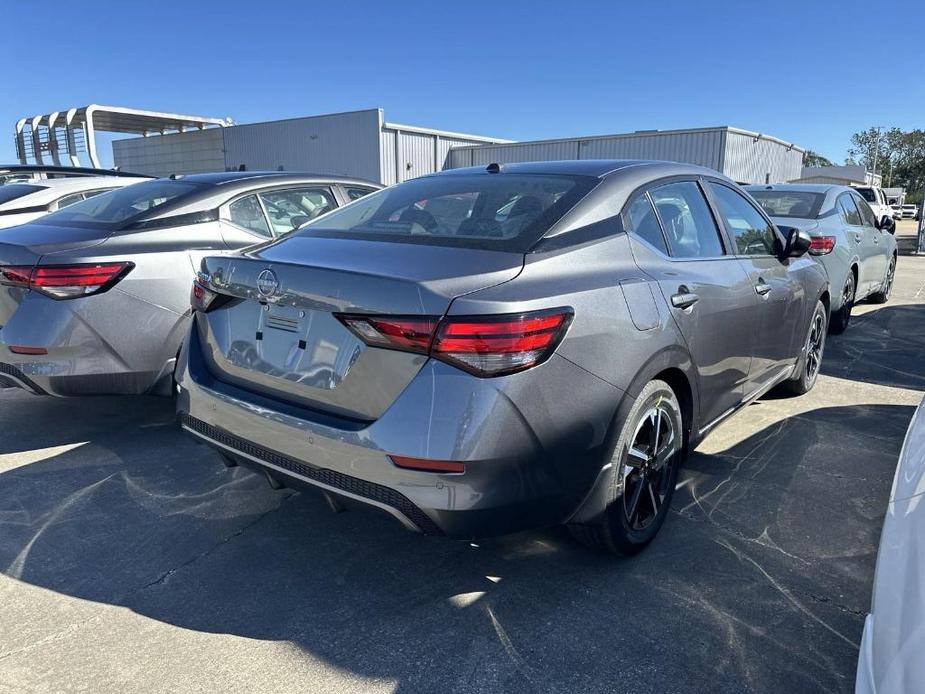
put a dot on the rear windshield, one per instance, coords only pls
(116, 207)
(789, 203)
(868, 194)
(17, 190)
(508, 212)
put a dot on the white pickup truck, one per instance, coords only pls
(877, 200)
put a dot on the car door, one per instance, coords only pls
(874, 256)
(780, 294)
(676, 241)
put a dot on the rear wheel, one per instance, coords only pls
(842, 317)
(645, 462)
(883, 295)
(811, 357)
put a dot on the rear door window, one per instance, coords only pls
(640, 219)
(848, 210)
(247, 213)
(686, 218)
(868, 218)
(289, 209)
(753, 234)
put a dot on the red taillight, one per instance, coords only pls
(66, 281)
(409, 334)
(428, 465)
(821, 245)
(31, 351)
(481, 345)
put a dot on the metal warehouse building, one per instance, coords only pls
(742, 155)
(357, 143)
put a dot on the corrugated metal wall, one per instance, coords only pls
(418, 152)
(759, 160)
(703, 147)
(735, 154)
(344, 143)
(196, 151)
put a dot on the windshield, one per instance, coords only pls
(868, 194)
(17, 190)
(121, 205)
(507, 212)
(789, 203)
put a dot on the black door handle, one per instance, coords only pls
(684, 299)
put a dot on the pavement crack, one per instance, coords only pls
(164, 577)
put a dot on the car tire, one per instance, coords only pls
(646, 457)
(840, 318)
(883, 295)
(811, 354)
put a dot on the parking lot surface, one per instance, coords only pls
(131, 559)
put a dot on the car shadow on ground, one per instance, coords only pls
(758, 581)
(881, 346)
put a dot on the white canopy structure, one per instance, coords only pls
(62, 136)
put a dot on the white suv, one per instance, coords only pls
(877, 201)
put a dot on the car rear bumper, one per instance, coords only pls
(531, 453)
(109, 344)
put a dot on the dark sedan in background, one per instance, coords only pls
(490, 349)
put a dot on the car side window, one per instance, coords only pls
(753, 234)
(688, 223)
(69, 200)
(641, 220)
(247, 213)
(290, 209)
(849, 210)
(357, 192)
(867, 215)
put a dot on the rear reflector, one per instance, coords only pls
(66, 281)
(34, 351)
(821, 245)
(482, 345)
(450, 466)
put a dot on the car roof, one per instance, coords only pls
(597, 168)
(79, 183)
(823, 188)
(220, 178)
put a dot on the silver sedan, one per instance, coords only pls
(857, 250)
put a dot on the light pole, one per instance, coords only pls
(877, 149)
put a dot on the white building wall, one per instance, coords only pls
(196, 151)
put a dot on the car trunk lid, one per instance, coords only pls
(279, 336)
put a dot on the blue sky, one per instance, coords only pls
(808, 72)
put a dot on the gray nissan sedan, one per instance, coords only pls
(94, 299)
(492, 349)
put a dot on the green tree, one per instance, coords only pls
(811, 158)
(899, 157)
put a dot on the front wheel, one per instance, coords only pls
(811, 355)
(645, 464)
(886, 288)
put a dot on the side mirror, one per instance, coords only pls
(298, 220)
(893, 201)
(798, 242)
(887, 224)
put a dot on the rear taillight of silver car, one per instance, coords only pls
(493, 345)
(66, 281)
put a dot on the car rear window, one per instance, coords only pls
(117, 207)
(789, 203)
(868, 194)
(11, 192)
(508, 212)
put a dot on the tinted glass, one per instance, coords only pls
(115, 207)
(289, 209)
(495, 211)
(752, 232)
(867, 215)
(247, 214)
(641, 220)
(11, 192)
(687, 221)
(789, 203)
(356, 192)
(868, 194)
(848, 210)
